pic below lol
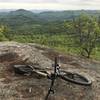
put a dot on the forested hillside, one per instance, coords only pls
(24, 21)
(76, 32)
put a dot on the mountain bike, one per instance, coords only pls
(67, 76)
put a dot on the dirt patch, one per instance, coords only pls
(9, 56)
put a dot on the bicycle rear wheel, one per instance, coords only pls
(75, 78)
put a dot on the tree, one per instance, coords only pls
(2, 36)
(90, 39)
(87, 32)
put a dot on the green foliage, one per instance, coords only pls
(86, 32)
(2, 36)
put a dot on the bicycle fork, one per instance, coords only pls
(51, 90)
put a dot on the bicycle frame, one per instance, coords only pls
(71, 77)
(53, 77)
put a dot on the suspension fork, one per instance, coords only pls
(52, 77)
(50, 89)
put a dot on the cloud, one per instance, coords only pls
(30, 1)
(90, 2)
(80, 2)
(51, 4)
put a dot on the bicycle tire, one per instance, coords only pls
(75, 78)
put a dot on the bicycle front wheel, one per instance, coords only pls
(75, 78)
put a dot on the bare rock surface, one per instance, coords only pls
(35, 86)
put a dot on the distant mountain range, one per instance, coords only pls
(35, 11)
(26, 20)
(46, 15)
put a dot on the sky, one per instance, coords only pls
(50, 4)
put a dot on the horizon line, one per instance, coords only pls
(46, 9)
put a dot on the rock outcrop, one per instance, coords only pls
(35, 86)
